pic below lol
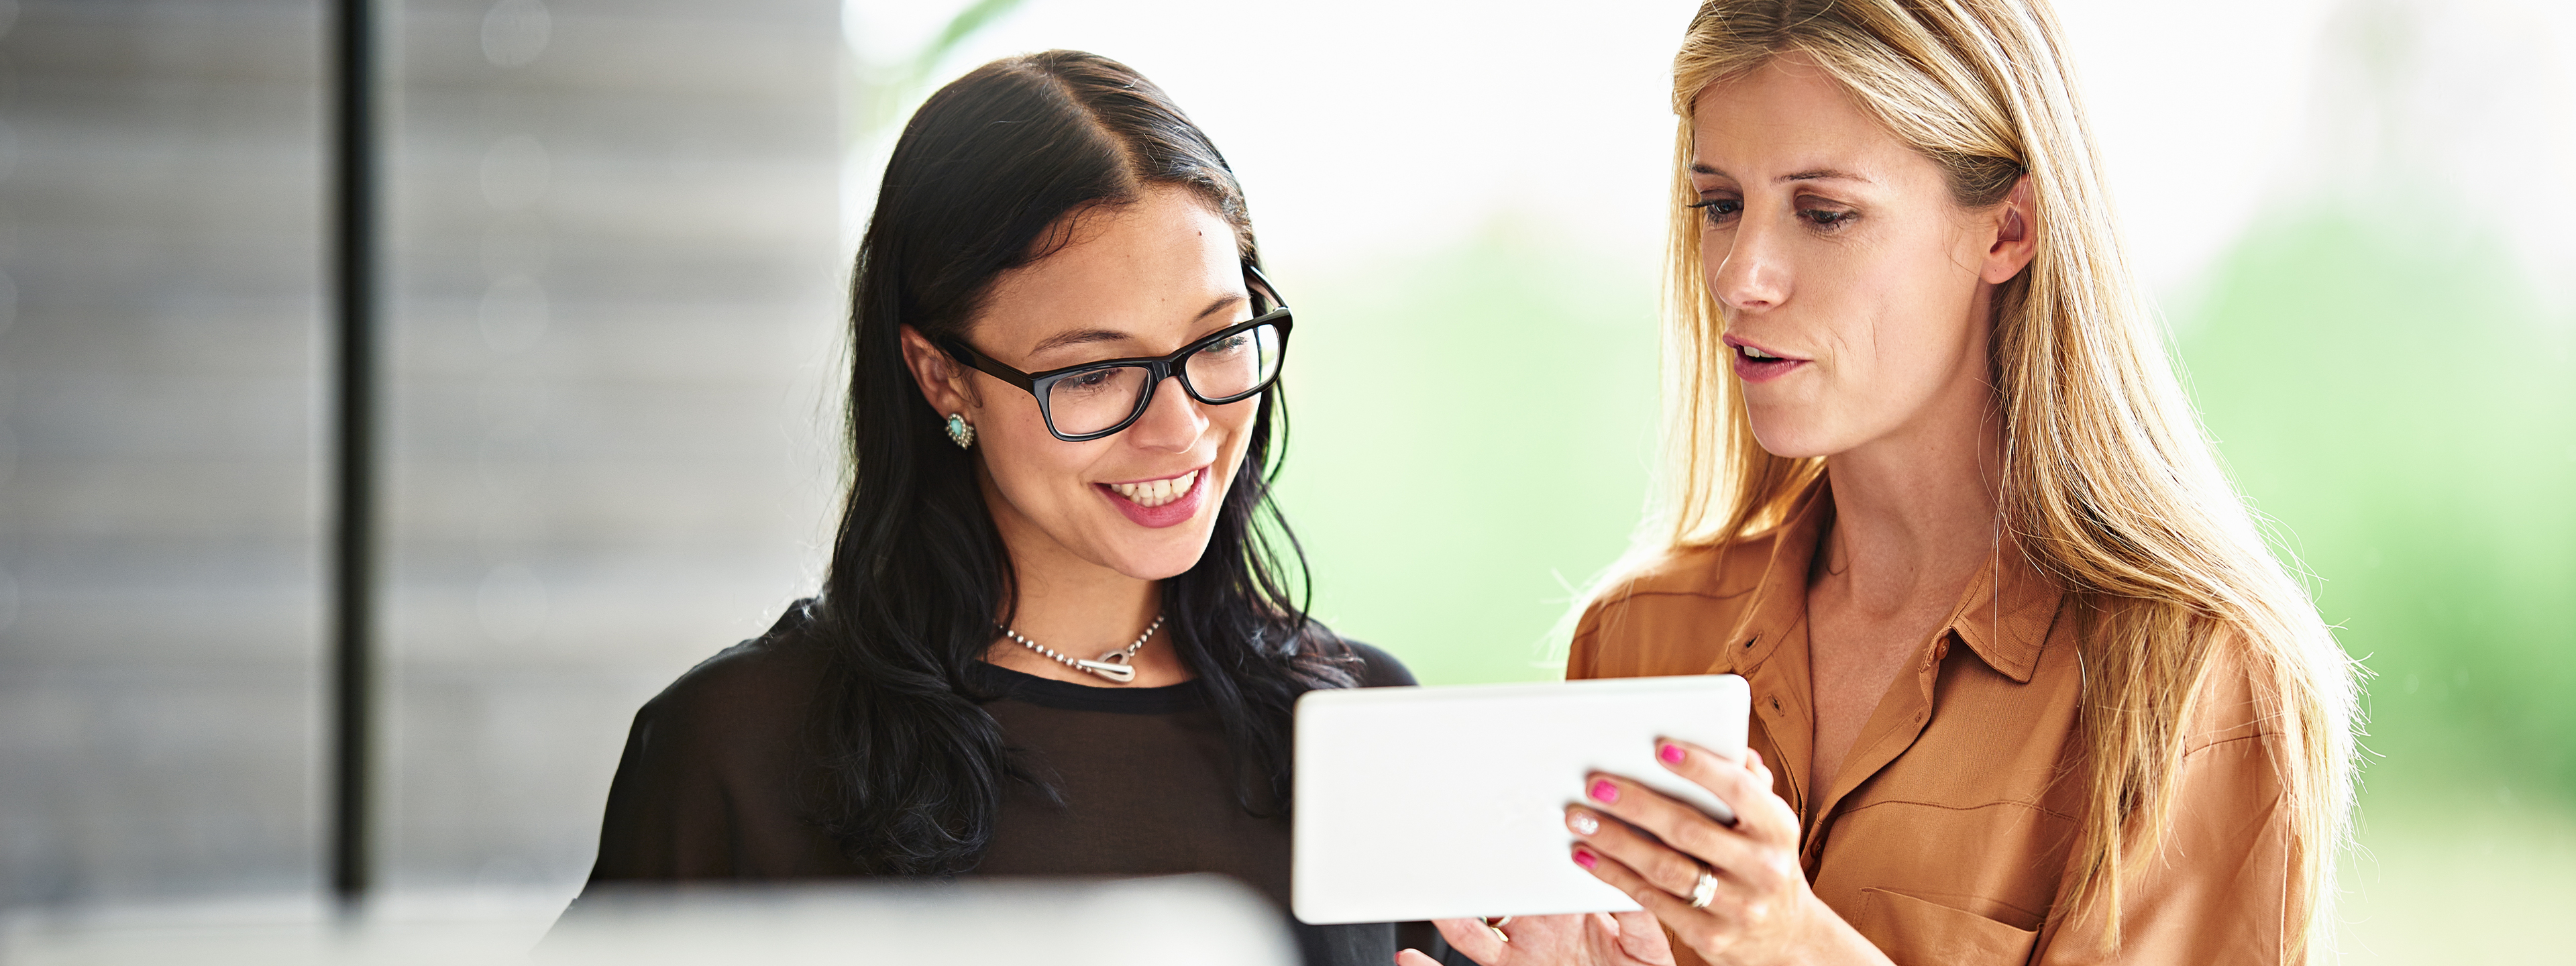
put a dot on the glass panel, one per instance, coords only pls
(160, 415)
(614, 337)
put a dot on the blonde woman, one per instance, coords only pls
(2028, 686)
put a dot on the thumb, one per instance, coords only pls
(1468, 936)
(1602, 931)
(1641, 937)
(1414, 957)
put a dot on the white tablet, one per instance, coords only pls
(1440, 802)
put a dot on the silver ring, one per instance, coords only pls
(1705, 889)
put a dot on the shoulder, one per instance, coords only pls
(1378, 669)
(752, 692)
(708, 784)
(1690, 577)
(2233, 700)
(1639, 623)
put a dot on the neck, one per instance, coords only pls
(1915, 512)
(1081, 608)
(1076, 607)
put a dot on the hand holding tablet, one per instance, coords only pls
(1735, 885)
(1717, 885)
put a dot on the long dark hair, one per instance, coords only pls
(985, 178)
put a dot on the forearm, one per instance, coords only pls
(1831, 941)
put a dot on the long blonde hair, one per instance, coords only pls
(2109, 486)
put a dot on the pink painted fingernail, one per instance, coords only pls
(1671, 754)
(1603, 791)
(1583, 857)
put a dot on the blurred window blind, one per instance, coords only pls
(615, 294)
(160, 598)
(609, 356)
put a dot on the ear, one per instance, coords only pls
(2016, 223)
(942, 380)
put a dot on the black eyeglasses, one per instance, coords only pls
(1096, 399)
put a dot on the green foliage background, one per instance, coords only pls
(2405, 413)
(1470, 437)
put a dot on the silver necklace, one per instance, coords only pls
(1113, 665)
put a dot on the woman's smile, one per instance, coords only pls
(1161, 502)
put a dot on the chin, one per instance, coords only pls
(1166, 556)
(1791, 437)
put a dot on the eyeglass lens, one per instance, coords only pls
(1095, 400)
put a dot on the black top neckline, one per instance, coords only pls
(1068, 696)
(718, 773)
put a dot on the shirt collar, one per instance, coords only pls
(1780, 600)
(2004, 615)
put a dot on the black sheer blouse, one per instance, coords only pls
(717, 782)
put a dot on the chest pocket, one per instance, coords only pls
(1916, 932)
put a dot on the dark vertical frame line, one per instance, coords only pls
(353, 449)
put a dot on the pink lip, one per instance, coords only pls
(1169, 514)
(1751, 371)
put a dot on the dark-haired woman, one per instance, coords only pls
(1052, 640)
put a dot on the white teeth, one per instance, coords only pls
(1156, 492)
(1754, 353)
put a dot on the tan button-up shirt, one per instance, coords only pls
(1945, 838)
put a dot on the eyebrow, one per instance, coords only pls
(1088, 336)
(1819, 174)
(1222, 303)
(1825, 174)
(1080, 337)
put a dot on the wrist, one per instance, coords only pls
(1825, 937)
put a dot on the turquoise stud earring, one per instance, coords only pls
(960, 431)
